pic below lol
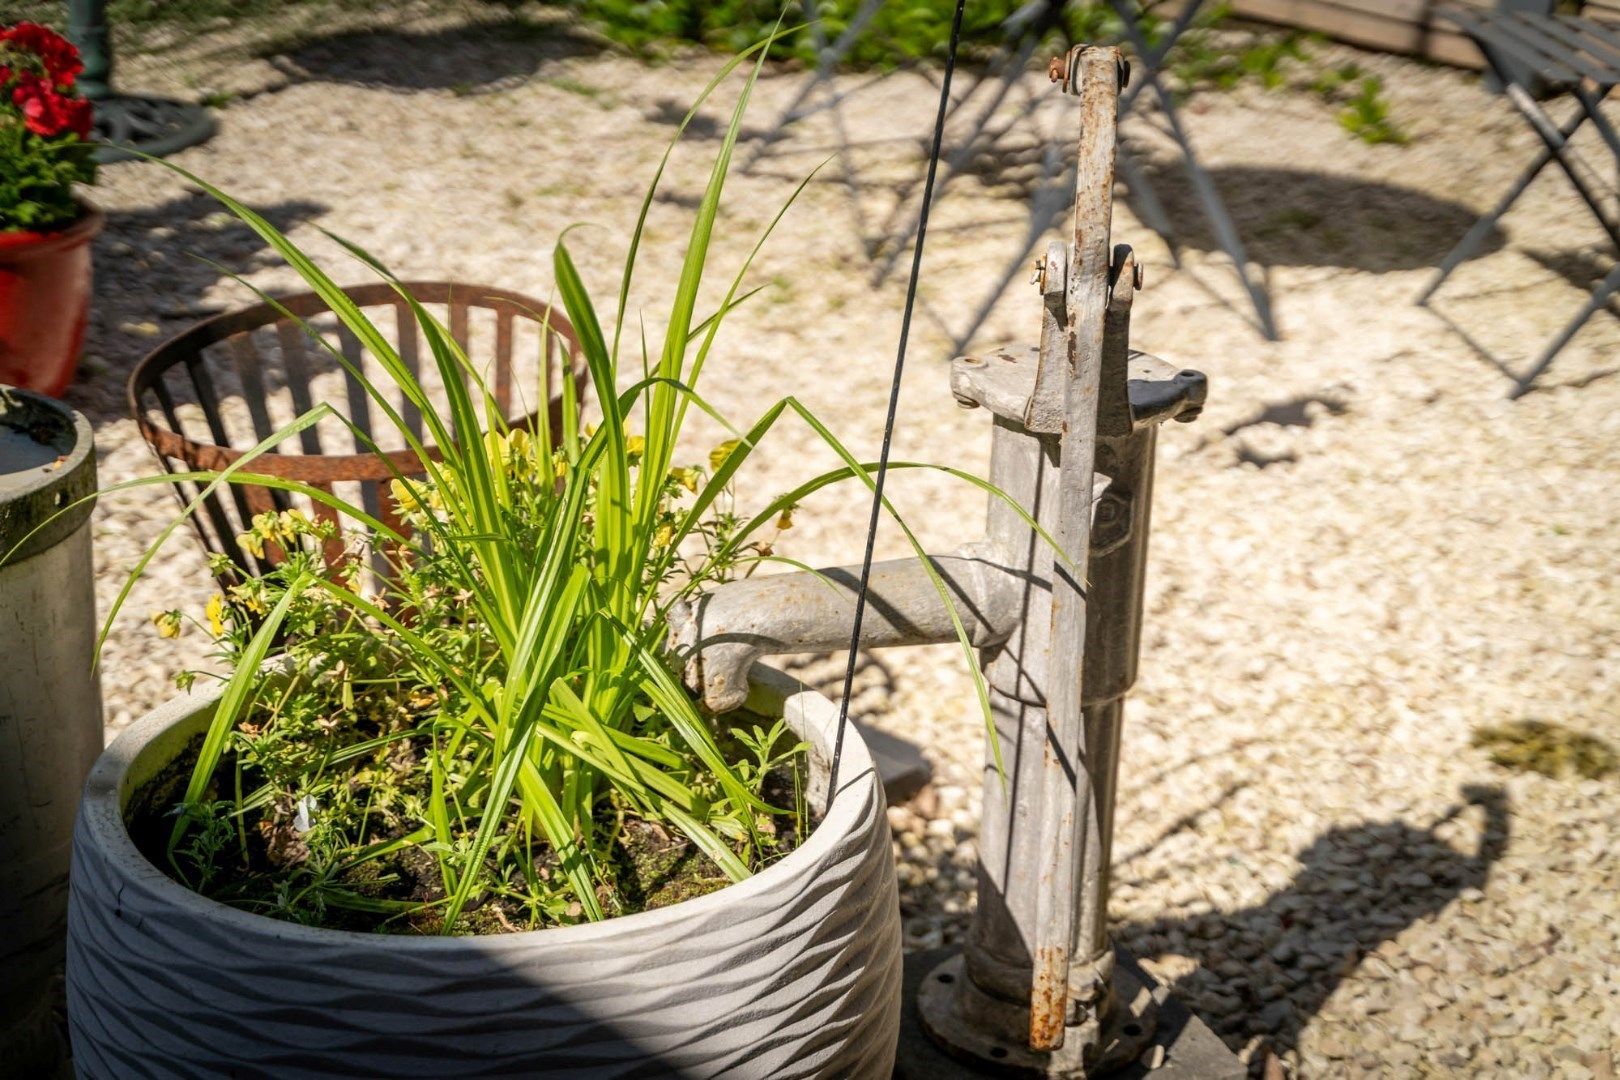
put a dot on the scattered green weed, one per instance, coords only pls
(1547, 749)
(1366, 115)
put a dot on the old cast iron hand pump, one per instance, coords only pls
(1035, 987)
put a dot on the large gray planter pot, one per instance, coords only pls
(794, 972)
(50, 705)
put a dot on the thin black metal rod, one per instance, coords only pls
(894, 399)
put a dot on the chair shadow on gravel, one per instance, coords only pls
(1357, 888)
(153, 267)
(483, 57)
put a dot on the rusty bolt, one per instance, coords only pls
(1038, 278)
(1057, 69)
(1136, 277)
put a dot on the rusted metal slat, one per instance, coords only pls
(503, 361)
(292, 337)
(410, 356)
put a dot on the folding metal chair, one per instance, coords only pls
(1564, 54)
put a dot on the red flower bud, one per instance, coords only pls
(48, 113)
(61, 59)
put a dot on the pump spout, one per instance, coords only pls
(722, 632)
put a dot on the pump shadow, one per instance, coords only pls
(1358, 887)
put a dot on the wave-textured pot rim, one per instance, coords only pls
(139, 753)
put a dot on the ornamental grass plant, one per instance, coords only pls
(496, 738)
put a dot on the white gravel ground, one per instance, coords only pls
(1362, 551)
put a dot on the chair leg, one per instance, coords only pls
(1151, 59)
(1559, 147)
(1003, 76)
(1600, 295)
(1220, 220)
(1482, 228)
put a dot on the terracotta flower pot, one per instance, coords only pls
(45, 303)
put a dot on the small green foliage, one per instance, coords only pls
(1547, 749)
(583, 89)
(1364, 110)
(1366, 115)
(1201, 62)
(901, 31)
(208, 833)
(37, 178)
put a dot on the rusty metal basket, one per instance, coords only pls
(207, 396)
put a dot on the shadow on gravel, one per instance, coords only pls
(1285, 217)
(1291, 217)
(1357, 888)
(480, 58)
(152, 270)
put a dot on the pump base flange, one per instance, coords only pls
(1182, 1046)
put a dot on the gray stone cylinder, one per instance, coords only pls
(794, 972)
(50, 703)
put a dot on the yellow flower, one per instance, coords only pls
(252, 543)
(664, 535)
(634, 445)
(250, 597)
(216, 614)
(718, 456)
(406, 496)
(167, 623)
(785, 522)
(685, 476)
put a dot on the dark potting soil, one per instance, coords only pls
(651, 866)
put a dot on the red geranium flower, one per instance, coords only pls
(48, 113)
(61, 59)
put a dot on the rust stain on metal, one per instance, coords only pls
(1048, 1000)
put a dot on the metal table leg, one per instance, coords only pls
(128, 125)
